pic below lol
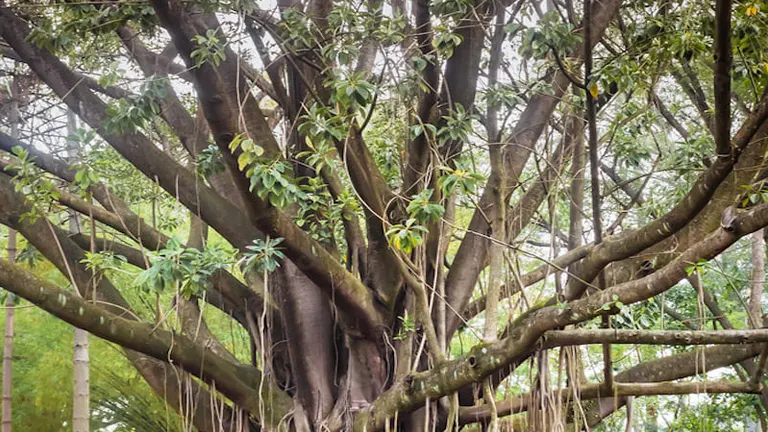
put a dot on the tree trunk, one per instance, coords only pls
(81, 392)
(757, 280)
(81, 395)
(7, 420)
(8, 343)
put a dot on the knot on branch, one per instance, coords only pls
(729, 219)
(408, 383)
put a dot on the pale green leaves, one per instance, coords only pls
(189, 267)
(131, 114)
(462, 179)
(408, 327)
(407, 236)
(422, 209)
(263, 256)
(270, 178)
(30, 180)
(351, 91)
(696, 267)
(210, 48)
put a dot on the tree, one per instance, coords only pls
(80, 360)
(387, 202)
(13, 120)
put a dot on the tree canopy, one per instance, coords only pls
(386, 215)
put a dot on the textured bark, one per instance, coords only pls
(723, 64)
(557, 338)
(417, 155)
(309, 329)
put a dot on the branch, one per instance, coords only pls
(54, 244)
(216, 87)
(625, 186)
(484, 359)
(470, 257)
(674, 367)
(145, 338)
(557, 338)
(150, 160)
(669, 117)
(723, 62)
(351, 295)
(125, 221)
(111, 91)
(691, 86)
(596, 391)
(558, 264)
(629, 243)
(417, 150)
(172, 110)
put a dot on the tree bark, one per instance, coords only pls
(81, 394)
(557, 338)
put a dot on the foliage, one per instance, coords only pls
(422, 209)
(133, 113)
(29, 180)
(210, 48)
(263, 256)
(406, 236)
(190, 268)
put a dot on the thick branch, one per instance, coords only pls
(557, 338)
(483, 360)
(221, 107)
(622, 246)
(351, 295)
(144, 338)
(595, 391)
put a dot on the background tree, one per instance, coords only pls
(370, 215)
(80, 360)
(10, 304)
